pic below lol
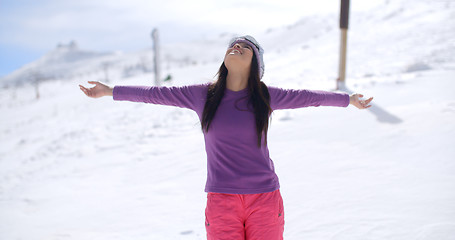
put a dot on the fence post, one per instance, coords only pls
(156, 56)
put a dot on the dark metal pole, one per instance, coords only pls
(344, 14)
(344, 22)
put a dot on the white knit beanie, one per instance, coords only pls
(258, 50)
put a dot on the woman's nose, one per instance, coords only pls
(237, 45)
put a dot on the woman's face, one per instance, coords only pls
(239, 56)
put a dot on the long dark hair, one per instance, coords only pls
(259, 98)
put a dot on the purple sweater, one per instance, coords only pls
(235, 163)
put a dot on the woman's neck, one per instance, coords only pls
(236, 81)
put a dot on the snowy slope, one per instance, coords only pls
(78, 168)
(70, 62)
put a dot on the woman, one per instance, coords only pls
(243, 197)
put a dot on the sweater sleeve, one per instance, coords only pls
(291, 98)
(185, 97)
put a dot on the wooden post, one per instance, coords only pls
(156, 58)
(342, 66)
(344, 22)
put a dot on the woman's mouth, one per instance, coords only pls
(235, 51)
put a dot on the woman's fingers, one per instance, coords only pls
(86, 90)
(367, 102)
(83, 89)
(93, 82)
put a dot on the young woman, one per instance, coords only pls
(243, 197)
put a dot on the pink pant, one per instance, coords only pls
(244, 216)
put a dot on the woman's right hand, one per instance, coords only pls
(99, 90)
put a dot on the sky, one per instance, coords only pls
(30, 29)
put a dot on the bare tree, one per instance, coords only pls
(36, 77)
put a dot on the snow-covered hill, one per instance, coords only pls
(78, 168)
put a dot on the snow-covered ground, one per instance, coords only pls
(78, 168)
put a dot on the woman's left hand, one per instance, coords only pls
(355, 99)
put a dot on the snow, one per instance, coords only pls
(78, 168)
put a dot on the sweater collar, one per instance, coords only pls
(242, 92)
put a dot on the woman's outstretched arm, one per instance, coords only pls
(298, 98)
(191, 97)
(99, 90)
